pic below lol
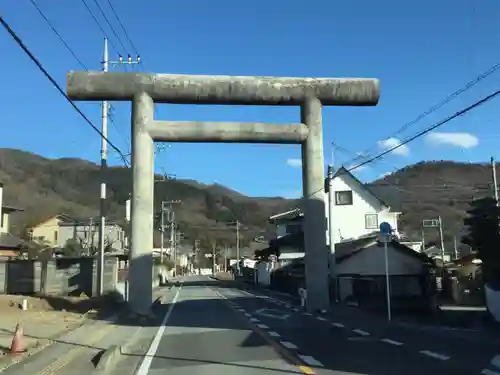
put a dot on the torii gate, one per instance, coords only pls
(145, 89)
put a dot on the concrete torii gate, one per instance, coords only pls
(145, 89)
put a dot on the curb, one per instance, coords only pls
(106, 359)
(45, 343)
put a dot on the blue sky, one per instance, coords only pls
(421, 51)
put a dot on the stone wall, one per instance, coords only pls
(60, 276)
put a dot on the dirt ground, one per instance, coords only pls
(45, 318)
(12, 304)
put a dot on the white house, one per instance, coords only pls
(358, 209)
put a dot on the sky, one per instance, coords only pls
(421, 52)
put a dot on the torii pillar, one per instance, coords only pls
(145, 89)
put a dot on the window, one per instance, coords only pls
(293, 228)
(371, 221)
(343, 198)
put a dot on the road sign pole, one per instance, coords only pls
(387, 282)
(386, 235)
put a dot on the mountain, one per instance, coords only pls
(439, 188)
(43, 187)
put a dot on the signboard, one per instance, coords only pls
(432, 223)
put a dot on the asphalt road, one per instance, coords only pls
(213, 328)
(203, 335)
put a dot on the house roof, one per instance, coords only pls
(288, 215)
(7, 208)
(348, 248)
(41, 219)
(8, 241)
(387, 195)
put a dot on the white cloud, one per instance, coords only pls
(294, 163)
(389, 143)
(463, 140)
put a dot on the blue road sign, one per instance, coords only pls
(385, 228)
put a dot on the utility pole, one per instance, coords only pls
(104, 156)
(197, 254)
(225, 258)
(238, 242)
(213, 258)
(442, 240)
(162, 231)
(436, 223)
(495, 185)
(455, 246)
(167, 206)
(104, 164)
(331, 227)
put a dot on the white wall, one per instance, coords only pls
(349, 220)
(371, 261)
(3, 228)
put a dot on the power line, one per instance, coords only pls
(56, 85)
(429, 129)
(418, 135)
(110, 26)
(59, 35)
(449, 98)
(122, 27)
(98, 24)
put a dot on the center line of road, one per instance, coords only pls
(361, 332)
(489, 372)
(146, 362)
(392, 342)
(310, 360)
(435, 355)
(288, 345)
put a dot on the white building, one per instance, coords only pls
(358, 209)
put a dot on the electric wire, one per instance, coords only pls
(33, 58)
(122, 27)
(54, 30)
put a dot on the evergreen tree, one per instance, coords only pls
(484, 237)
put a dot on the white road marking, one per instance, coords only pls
(274, 334)
(489, 372)
(361, 332)
(248, 315)
(495, 361)
(392, 342)
(263, 326)
(321, 318)
(442, 357)
(288, 345)
(254, 320)
(146, 362)
(338, 325)
(310, 360)
(308, 314)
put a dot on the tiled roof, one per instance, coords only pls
(8, 241)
